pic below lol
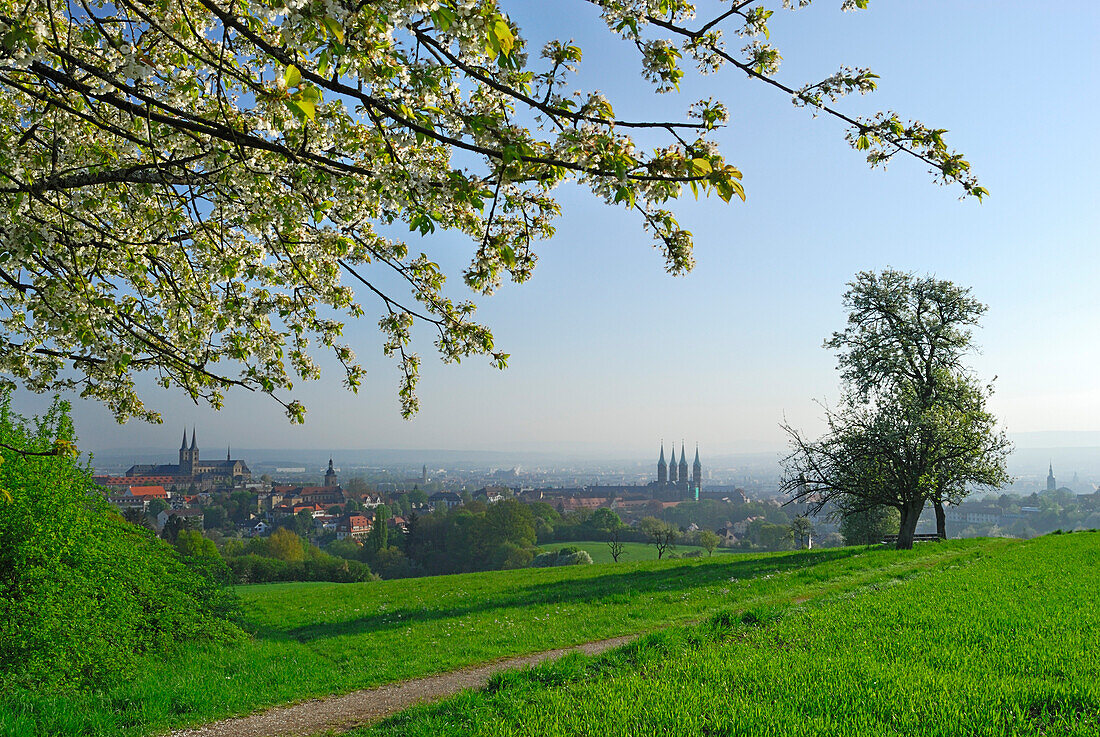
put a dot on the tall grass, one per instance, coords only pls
(1005, 642)
(314, 639)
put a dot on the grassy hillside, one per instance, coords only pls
(1001, 642)
(632, 552)
(316, 639)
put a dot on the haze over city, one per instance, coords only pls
(610, 355)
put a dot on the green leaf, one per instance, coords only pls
(306, 107)
(500, 37)
(863, 143)
(335, 28)
(292, 76)
(700, 166)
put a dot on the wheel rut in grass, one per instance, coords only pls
(370, 705)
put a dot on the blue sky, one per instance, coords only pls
(610, 354)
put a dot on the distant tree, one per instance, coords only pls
(615, 543)
(418, 496)
(708, 540)
(605, 519)
(214, 517)
(544, 511)
(265, 478)
(391, 562)
(659, 534)
(913, 427)
(172, 527)
(284, 545)
(352, 506)
(191, 543)
(511, 520)
(869, 526)
(346, 548)
(379, 531)
(155, 507)
(303, 523)
(769, 536)
(135, 517)
(801, 530)
(233, 546)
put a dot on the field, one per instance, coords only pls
(631, 551)
(318, 639)
(1003, 642)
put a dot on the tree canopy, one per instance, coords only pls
(201, 189)
(913, 427)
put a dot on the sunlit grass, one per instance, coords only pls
(314, 639)
(632, 552)
(1000, 643)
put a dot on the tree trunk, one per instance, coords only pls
(941, 520)
(910, 514)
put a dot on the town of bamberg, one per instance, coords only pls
(547, 368)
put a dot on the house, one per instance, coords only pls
(259, 529)
(371, 501)
(307, 495)
(355, 526)
(492, 494)
(445, 499)
(726, 535)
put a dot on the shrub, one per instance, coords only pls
(569, 556)
(82, 592)
(253, 568)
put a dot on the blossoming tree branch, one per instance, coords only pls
(200, 188)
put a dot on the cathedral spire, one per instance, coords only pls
(194, 443)
(183, 443)
(662, 467)
(672, 466)
(228, 452)
(696, 454)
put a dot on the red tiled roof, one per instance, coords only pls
(155, 492)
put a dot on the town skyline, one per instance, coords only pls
(609, 352)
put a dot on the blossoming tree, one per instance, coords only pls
(195, 188)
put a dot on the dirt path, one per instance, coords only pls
(358, 708)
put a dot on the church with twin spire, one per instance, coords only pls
(673, 478)
(193, 469)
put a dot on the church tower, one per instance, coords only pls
(330, 474)
(672, 466)
(683, 473)
(1051, 483)
(662, 467)
(189, 457)
(696, 473)
(183, 454)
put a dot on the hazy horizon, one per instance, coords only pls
(610, 354)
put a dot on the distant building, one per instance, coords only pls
(193, 470)
(355, 526)
(445, 499)
(673, 479)
(1051, 483)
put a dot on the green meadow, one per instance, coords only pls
(315, 639)
(1002, 641)
(632, 552)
